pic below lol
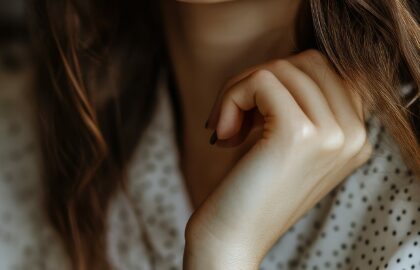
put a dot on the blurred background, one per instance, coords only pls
(16, 69)
(15, 60)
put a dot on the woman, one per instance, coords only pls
(304, 99)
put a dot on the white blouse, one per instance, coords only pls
(370, 221)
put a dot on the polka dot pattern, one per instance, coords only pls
(370, 221)
(157, 196)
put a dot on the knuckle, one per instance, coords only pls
(261, 76)
(314, 56)
(281, 65)
(364, 154)
(230, 82)
(303, 131)
(228, 97)
(228, 94)
(333, 139)
(356, 140)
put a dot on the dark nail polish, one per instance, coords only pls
(206, 125)
(213, 138)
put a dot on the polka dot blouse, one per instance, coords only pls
(370, 221)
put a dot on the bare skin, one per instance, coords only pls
(207, 46)
(236, 57)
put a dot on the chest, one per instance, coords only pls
(202, 172)
(204, 166)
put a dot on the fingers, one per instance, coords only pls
(263, 90)
(215, 111)
(303, 86)
(305, 91)
(252, 121)
(318, 67)
(247, 125)
(345, 105)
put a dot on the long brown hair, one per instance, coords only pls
(98, 65)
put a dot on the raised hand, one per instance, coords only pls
(313, 136)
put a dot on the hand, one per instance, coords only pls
(313, 136)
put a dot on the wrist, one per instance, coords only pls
(207, 258)
(206, 251)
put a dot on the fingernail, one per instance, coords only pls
(213, 138)
(206, 125)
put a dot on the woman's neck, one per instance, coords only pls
(208, 43)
